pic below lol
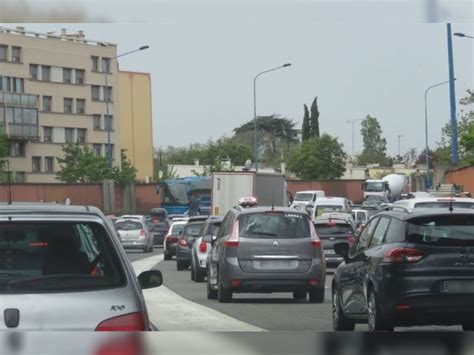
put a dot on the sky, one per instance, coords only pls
(358, 58)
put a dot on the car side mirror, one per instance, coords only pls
(342, 249)
(150, 279)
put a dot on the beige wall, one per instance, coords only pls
(61, 53)
(136, 130)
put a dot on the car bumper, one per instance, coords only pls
(183, 254)
(158, 239)
(138, 244)
(171, 249)
(231, 274)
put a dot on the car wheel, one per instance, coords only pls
(376, 321)
(179, 265)
(339, 320)
(224, 295)
(316, 295)
(211, 293)
(166, 256)
(198, 275)
(146, 249)
(299, 295)
(193, 275)
(151, 248)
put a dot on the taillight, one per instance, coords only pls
(351, 240)
(124, 344)
(403, 255)
(315, 241)
(142, 233)
(203, 247)
(233, 240)
(182, 242)
(132, 322)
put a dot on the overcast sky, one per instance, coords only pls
(203, 57)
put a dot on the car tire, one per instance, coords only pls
(376, 321)
(211, 293)
(146, 249)
(193, 274)
(316, 295)
(339, 320)
(151, 248)
(166, 256)
(198, 275)
(299, 295)
(179, 265)
(224, 295)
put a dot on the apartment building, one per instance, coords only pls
(53, 92)
(136, 131)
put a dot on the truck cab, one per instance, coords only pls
(307, 198)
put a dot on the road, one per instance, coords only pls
(271, 312)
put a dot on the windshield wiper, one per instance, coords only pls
(51, 281)
(264, 233)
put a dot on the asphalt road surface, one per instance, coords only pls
(277, 311)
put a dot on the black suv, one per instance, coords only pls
(407, 268)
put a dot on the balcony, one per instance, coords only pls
(22, 131)
(18, 100)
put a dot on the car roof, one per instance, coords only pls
(416, 200)
(261, 209)
(425, 212)
(120, 220)
(309, 191)
(177, 223)
(330, 199)
(31, 208)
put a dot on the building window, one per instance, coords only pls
(67, 75)
(106, 65)
(49, 164)
(67, 105)
(48, 134)
(80, 105)
(45, 73)
(96, 122)
(16, 54)
(19, 177)
(108, 93)
(3, 52)
(81, 135)
(36, 164)
(47, 103)
(17, 149)
(108, 124)
(95, 93)
(79, 76)
(95, 63)
(17, 84)
(69, 135)
(34, 71)
(97, 149)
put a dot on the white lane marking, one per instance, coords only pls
(169, 311)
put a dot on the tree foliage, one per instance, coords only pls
(375, 146)
(410, 157)
(314, 131)
(319, 158)
(421, 159)
(127, 172)
(306, 127)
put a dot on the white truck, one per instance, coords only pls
(307, 197)
(388, 188)
(229, 187)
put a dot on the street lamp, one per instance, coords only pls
(109, 128)
(255, 148)
(353, 121)
(427, 151)
(459, 34)
(452, 99)
(399, 136)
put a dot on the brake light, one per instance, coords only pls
(132, 322)
(182, 242)
(233, 240)
(403, 255)
(351, 240)
(38, 244)
(142, 233)
(203, 247)
(403, 307)
(235, 282)
(125, 344)
(315, 241)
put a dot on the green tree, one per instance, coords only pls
(127, 172)
(319, 159)
(467, 142)
(314, 131)
(306, 128)
(375, 146)
(79, 164)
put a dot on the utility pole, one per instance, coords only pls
(353, 121)
(399, 136)
(452, 97)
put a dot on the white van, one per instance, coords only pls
(330, 204)
(305, 198)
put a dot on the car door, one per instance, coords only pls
(352, 292)
(217, 247)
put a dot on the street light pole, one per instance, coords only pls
(255, 141)
(427, 150)
(399, 153)
(452, 99)
(107, 115)
(353, 121)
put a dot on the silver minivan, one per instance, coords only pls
(63, 268)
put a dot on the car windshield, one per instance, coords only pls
(57, 257)
(192, 229)
(374, 186)
(333, 229)
(128, 226)
(444, 230)
(444, 204)
(320, 209)
(301, 196)
(214, 228)
(176, 229)
(274, 225)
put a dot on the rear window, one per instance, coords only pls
(192, 229)
(335, 229)
(214, 228)
(446, 230)
(320, 209)
(156, 224)
(128, 226)
(57, 257)
(274, 225)
(303, 197)
(176, 229)
(444, 204)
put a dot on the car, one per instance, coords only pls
(407, 268)
(66, 270)
(360, 216)
(375, 201)
(159, 214)
(266, 249)
(201, 247)
(435, 202)
(328, 204)
(332, 230)
(186, 240)
(134, 234)
(158, 230)
(178, 217)
(304, 198)
(171, 239)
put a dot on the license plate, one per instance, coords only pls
(329, 252)
(277, 264)
(458, 286)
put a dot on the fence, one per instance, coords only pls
(462, 176)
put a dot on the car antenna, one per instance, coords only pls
(273, 200)
(9, 184)
(451, 200)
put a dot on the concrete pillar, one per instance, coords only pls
(108, 196)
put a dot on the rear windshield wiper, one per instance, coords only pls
(264, 233)
(50, 281)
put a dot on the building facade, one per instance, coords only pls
(53, 92)
(136, 130)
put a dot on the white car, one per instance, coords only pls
(201, 248)
(171, 239)
(435, 202)
(304, 198)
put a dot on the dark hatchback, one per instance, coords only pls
(408, 269)
(158, 230)
(185, 243)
